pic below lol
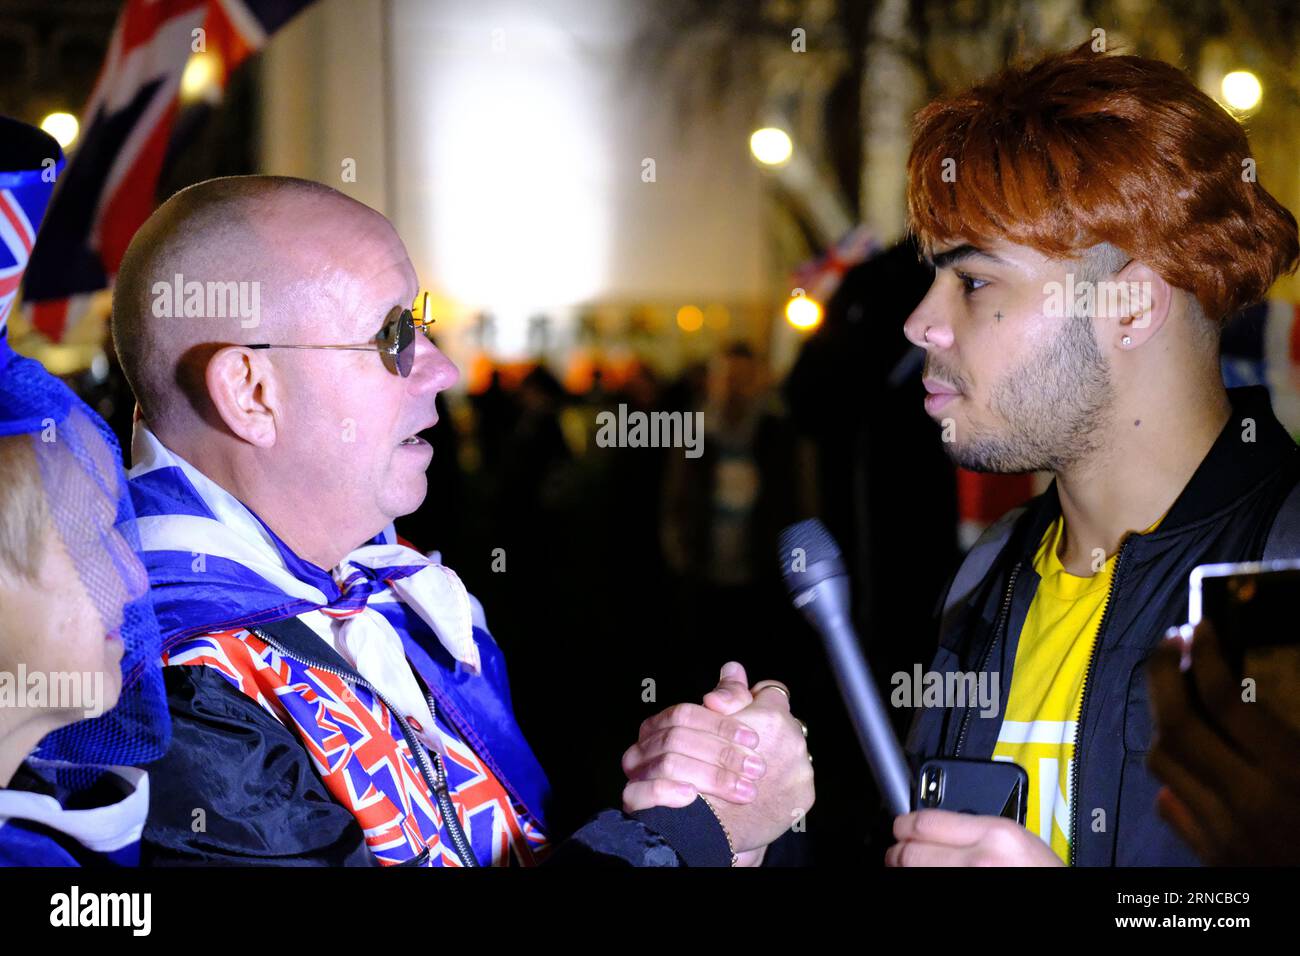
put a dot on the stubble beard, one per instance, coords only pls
(1052, 409)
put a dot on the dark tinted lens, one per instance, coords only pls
(405, 343)
(394, 341)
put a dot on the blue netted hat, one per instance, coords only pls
(85, 492)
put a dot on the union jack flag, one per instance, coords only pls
(109, 188)
(17, 236)
(24, 194)
(820, 277)
(365, 762)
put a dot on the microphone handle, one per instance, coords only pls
(824, 605)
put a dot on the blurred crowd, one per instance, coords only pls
(634, 572)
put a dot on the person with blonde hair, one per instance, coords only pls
(81, 695)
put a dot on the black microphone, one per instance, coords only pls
(819, 585)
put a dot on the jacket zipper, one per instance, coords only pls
(444, 800)
(988, 654)
(435, 780)
(1083, 702)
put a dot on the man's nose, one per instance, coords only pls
(433, 370)
(926, 327)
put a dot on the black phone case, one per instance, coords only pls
(1251, 610)
(996, 788)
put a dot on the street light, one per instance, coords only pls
(690, 318)
(771, 146)
(1241, 90)
(201, 79)
(802, 312)
(62, 126)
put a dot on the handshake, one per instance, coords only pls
(741, 750)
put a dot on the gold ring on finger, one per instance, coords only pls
(771, 685)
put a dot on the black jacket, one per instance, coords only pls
(1225, 513)
(263, 804)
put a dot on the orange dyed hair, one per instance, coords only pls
(1082, 148)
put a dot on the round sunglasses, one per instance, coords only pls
(395, 341)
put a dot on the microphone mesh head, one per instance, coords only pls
(805, 545)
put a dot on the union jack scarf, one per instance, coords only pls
(213, 564)
(215, 568)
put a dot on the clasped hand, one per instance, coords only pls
(740, 748)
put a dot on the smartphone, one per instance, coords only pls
(1254, 607)
(991, 788)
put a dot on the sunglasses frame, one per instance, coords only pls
(395, 341)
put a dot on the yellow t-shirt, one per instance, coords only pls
(1047, 686)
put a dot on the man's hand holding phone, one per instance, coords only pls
(945, 838)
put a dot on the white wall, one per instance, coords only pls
(323, 98)
(514, 144)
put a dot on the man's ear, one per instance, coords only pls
(1144, 305)
(244, 393)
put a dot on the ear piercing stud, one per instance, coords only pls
(1126, 340)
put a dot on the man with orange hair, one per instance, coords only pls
(1092, 221)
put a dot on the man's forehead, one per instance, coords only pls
(396, 285)
(374, 285)
(340, 267)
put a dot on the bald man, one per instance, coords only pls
(336, 697)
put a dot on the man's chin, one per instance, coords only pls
(405, 495)
(985, 460)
